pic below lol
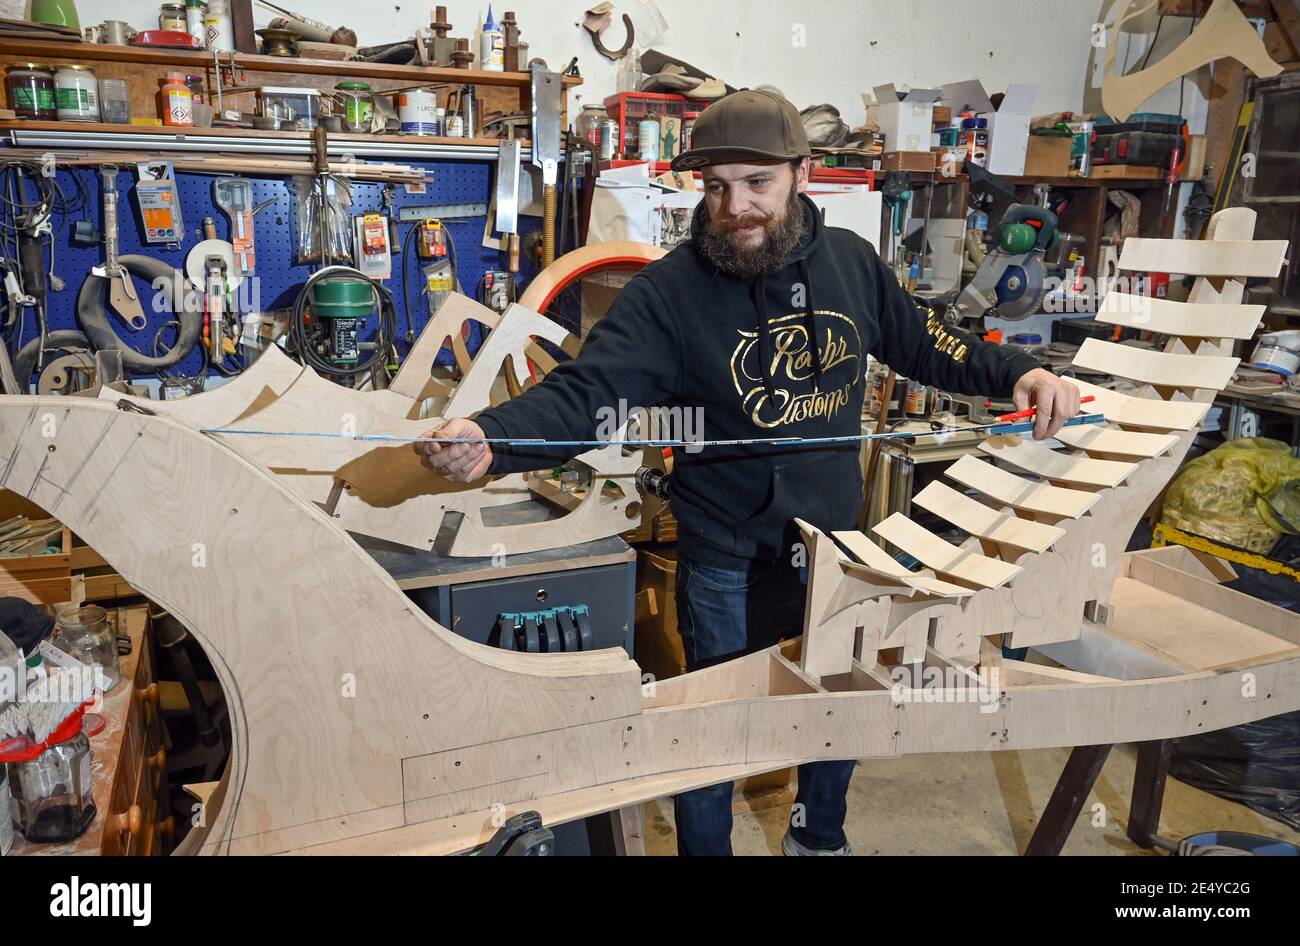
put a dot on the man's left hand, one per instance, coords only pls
(1057, 400)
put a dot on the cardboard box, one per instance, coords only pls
(906, 119)
(920, 161)
(1008, 125)
(1048, 156)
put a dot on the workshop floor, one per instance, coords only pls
(981, 803)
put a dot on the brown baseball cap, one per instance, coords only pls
(749, 125)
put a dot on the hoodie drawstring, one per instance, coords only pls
(758, 296)
(810, 323)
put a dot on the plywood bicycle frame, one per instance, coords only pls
(362, 726)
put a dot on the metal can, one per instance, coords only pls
(417, 110)
(608, 140)
(688, 127)
(648, 135)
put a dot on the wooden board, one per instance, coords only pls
(1223, 33)
(961, 565)
(1057, 465)
(1020, 493)
(1204, 257)
(1141, 413)
(1162, 369)
(1180, 318)
(1000, 526)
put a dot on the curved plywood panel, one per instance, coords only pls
(1204, 257)
(873, 557)
(1163, 369)
(1002, 527)
(1098, 440)
(1020, 493)
(1185, 319)
(965, 567)
(1141, 413)
(1043, 461)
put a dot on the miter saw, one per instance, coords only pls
(1010, 282)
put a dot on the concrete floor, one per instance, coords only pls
(982, 803)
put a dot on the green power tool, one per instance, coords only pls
(1010, 282)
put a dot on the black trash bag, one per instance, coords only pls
(1257, 764)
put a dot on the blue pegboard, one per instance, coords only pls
(453, 182)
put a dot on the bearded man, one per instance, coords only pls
(762, 324)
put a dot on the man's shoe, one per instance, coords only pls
(792, 848)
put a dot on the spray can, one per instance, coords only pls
(492, 46)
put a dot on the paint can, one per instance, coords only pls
(417, 110)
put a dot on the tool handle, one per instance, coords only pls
(514, 253)
(1031, 411)
(320, 149)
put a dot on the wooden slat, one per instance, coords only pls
(978, 519)
(1144, 413)
(1204, 257)
(1057, 465)
(877, 560)
(1212, 372)
(1112, 441)
(1188, 319)
(1019, 492)
(945, 558)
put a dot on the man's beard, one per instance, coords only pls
(720, 246)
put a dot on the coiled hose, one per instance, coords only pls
(92, 313)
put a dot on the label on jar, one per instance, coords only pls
(180, 108)
(76, 100)
(29, 98)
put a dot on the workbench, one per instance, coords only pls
(468, 594)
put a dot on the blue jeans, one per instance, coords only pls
(723, 613)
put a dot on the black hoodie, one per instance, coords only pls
(739, 351)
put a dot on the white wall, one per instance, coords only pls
(848, 46)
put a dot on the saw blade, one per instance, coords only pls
(1021, 290)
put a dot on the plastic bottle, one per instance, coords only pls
(195, 12)
(492, 46)
(628, 78)
(177, 101)
(217, 29)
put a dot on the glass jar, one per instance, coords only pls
(114, 101)
(171, 16)
(52, 795)
(76, 94)
(30, 89)
(357, 103)
(84, 633)
(587, 124)
(195, 85)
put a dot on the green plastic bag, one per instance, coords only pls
(1245, 493)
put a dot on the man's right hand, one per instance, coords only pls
(461, 462)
